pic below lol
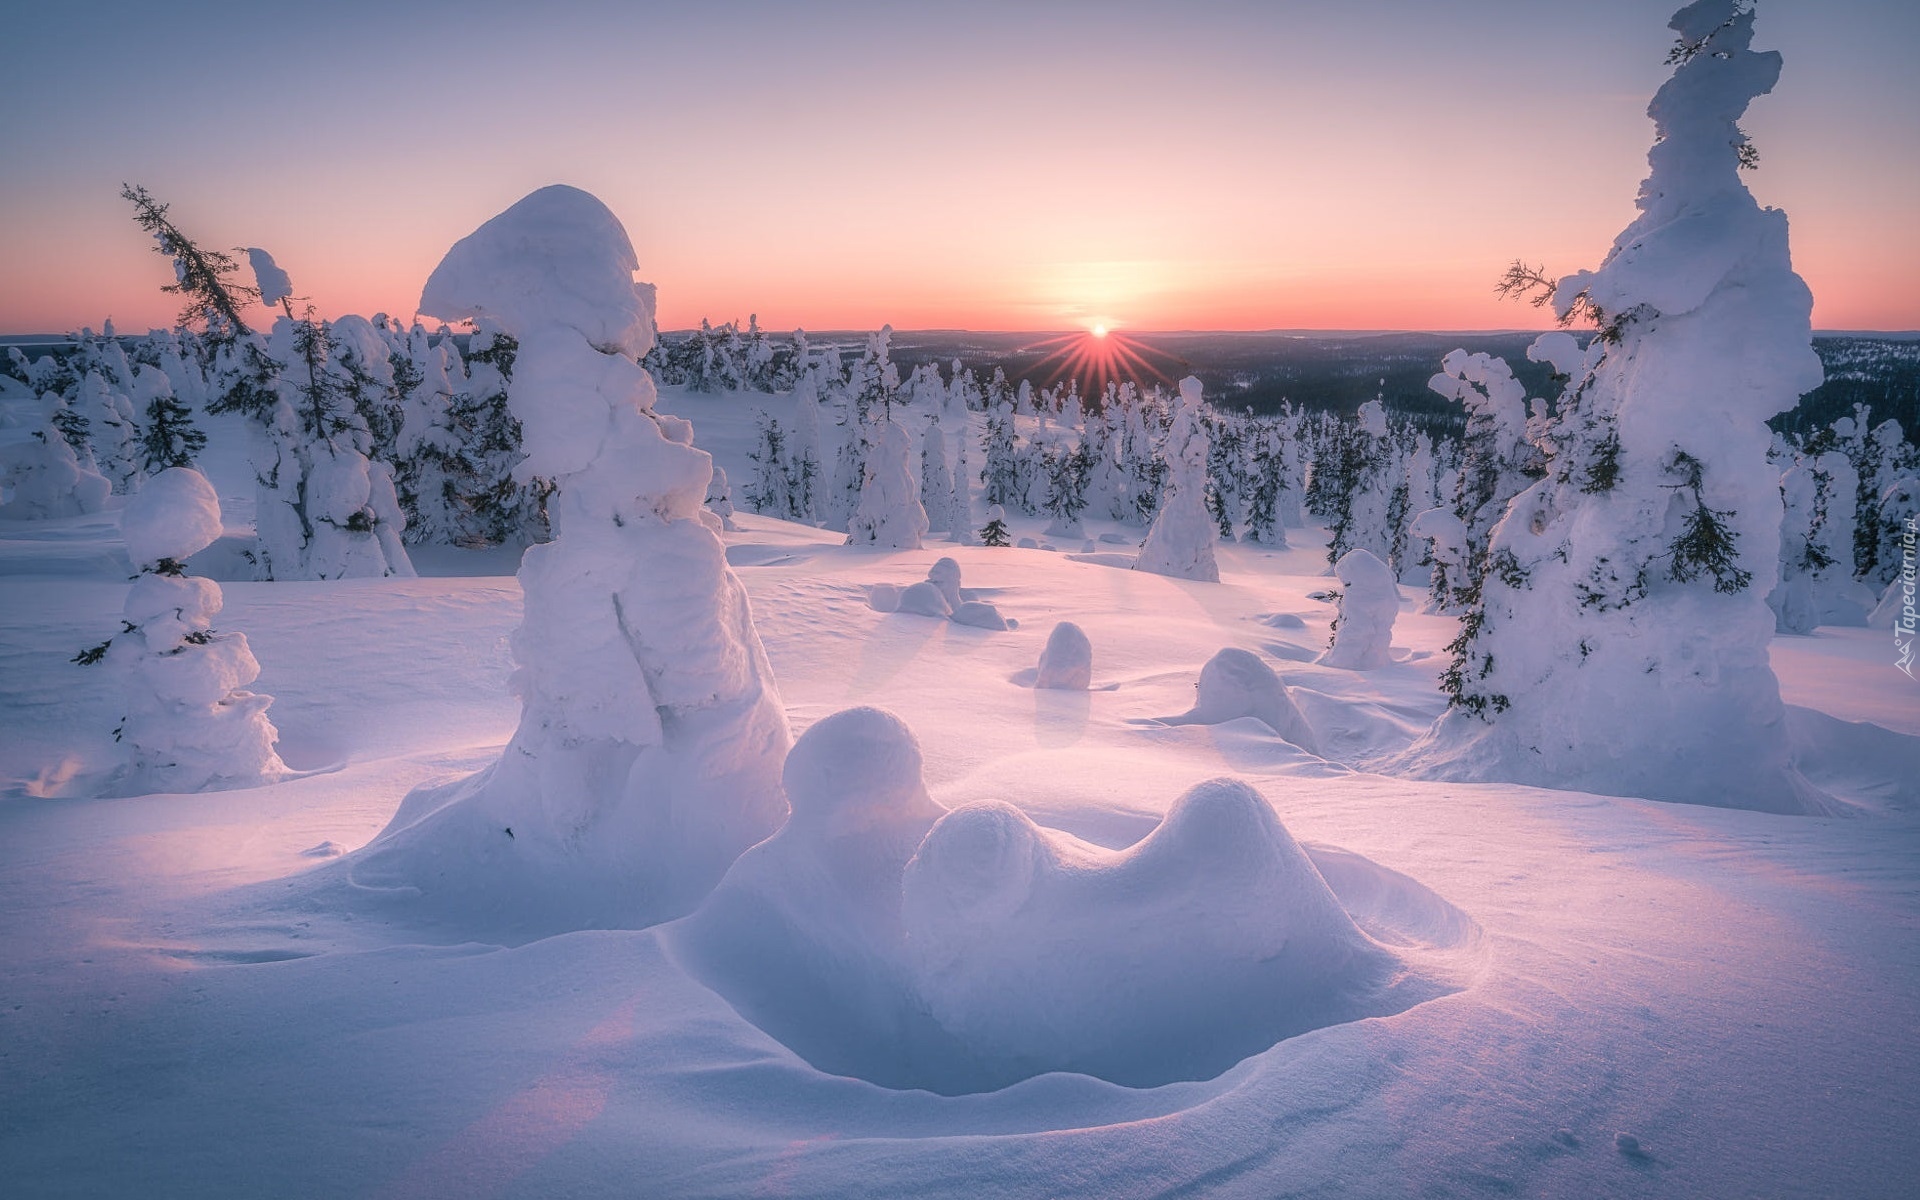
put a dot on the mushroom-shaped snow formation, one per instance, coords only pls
(1209, 940)
(1067, 661)
(1369, 602)
(650, 738)
(1238, 683)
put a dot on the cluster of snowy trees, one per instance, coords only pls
(365, 435)
(1849, 491)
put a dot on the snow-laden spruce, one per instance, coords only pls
(1817, 544)
(1180, 542)
(46, 479)
(1619, 643)
(650, 743)
(888, 514)
(190, 726)
(1368, 602)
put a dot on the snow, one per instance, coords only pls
(1369, 601)
(1181, 540)
(651, 736)
(1237, 683)
(1067, 661)
(1599, 965)
(176, 515)
(268, 277)
(1602, 657)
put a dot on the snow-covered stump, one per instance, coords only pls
(651, 739)
(889, 514)
(1237, 683)
(189, 726)
(1620, 644)
(1180, 543)
(1067, 661)
(1368, 603)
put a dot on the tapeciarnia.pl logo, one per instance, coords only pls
(1905, 624)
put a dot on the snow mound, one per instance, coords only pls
(938, 595)
(925, 599)
(982, 615)
(1067, 661)
(1231, 941)
(1237, 683)
(880, 936)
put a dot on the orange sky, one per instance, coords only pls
(1364, 165)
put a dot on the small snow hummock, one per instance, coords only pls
(1067, 661)
(1238, 683)
(1369, 601)
(650, 739)
(880, 936)
(1180, 542)
(189, 726)
(938, 595)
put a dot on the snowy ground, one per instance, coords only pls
(1652, 999)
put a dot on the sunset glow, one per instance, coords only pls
(1240, 168)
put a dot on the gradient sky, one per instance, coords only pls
(1334, 164)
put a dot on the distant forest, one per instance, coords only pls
(1340, 372)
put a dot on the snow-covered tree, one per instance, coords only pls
(804, 472)
(169, 437)
(651, 739)
(994, 532)
(1368, 601)
(771, 490)
(1816, 541)
(47, 479)
(1619, 642)
(936, 483)
(189, 724)
(889, 513)
(1180, 542)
